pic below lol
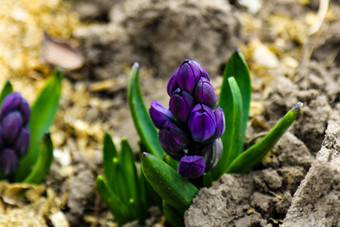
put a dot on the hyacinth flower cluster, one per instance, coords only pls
(14, 133)
(190, 130)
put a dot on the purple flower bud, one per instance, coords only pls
(22, 142)
(180, 105)
(172, 84)
(10, 103)
(204, 93)
(159, 114)
(191, 166)
(202, 123)
(11, 126)
(220, 122)
(188, 75)
(25, 110)
(1, 141)
(8, 162)
(173, 140)
(15, 101)
(212, 153)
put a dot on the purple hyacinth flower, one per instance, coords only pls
(11, 126)
(220, 122)
(191, 166)
(202, 123)
(10, 103)
(159, 114)
(204, 93)
(22, 142)
(8, 162)
(173, 140)
(181, 104)
(172, 84)
(212, 153)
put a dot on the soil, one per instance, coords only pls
(287, 65)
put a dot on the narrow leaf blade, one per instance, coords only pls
(6, 90)
(118, 208)
(43, 112)
(232, 139)
(143, 124)
(238, 68)
(170, 185)
(44, 162)
(253, 155)
(109, 153)
(172, 216)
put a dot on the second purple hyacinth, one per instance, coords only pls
(190, 130)
(14, 133)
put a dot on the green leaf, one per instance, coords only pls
(109, 153)
(233, 138)
(44, 162)
(253, 155)
(170, 185)
(172, 216)
(43, 112)
(170, 161)
(238, 68)
(6, 90)
(118, 208)
(143, 124)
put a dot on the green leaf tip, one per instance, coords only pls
(135, 65)
(298, 106)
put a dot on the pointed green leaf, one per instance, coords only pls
(170, 185)
(118, 208)
(238, 68)
(109, 153)
(143, 124)
(232, 139)
(172, 216)
(43, 112)
(7, 89)
(253, 155)
(44, 162)
(170, 161)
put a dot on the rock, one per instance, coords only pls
(316, 201)
(160, 35)
(260, 198)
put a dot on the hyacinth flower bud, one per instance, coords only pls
(191, 166)
(159, 114)
(181, 104)
(204, 93)
(11, 126)
(220, 122)
(8, 162)
(189, 74)
(202, 123)
(173, 140)
(212, 153)
(22, 142)
(172, 84)
(10, 103)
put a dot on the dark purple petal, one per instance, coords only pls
(188, 75)
(159, 114)
(25, 110)
(202, 123)
(220, 122)
(10, 103)
(1, 141)
(11, 126)
(191, 166)
(205, 94)
(172, 84)
(173, 140)
(22, 143)
(212, 153)
(180, 105)
(203, 73)
(8, 162)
